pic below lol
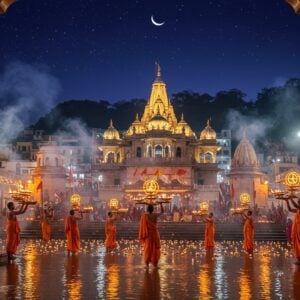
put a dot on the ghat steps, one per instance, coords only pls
(168, 231)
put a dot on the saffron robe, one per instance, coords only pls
(149, 237)
(110, 234)
(72, 234)
(46, 230)
(296, 234)
(12, 236)
(209, 239)
(248, 235)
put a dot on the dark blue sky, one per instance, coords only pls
(107, 49)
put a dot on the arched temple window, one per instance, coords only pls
(158, 151)
(138, 152)
(110, 157)
(178, 152)
(208, 157)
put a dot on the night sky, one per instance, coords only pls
(107, 49)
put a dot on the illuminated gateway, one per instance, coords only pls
(160, 146)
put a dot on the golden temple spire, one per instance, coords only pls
(111, 123)
(137, 117)
(182, 117)
(158, 72)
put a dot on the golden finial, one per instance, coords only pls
(158, 71)
(111, 123)
(182, 117)
(137, 117)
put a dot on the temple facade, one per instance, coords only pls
(246, 176)
(157, 145)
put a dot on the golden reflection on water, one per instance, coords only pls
(296, 282)
(73, 281)
(151, 285)
(31, 271)
(12, 281)
(264, 274)
(245, 278)
(113, 281)
(205, 277)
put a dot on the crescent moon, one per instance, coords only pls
(156, 23)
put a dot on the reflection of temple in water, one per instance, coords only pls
(159, 145)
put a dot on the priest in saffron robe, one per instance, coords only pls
(149, 236)
(248, 232)
(295, 236)
(13, 229)
(46, 230)
(110, 232)
(209, 239)
(72, 232)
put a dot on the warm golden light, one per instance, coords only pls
(244, 199)
(75, 200)
(292, 179)
(151, 187)
(114, 203)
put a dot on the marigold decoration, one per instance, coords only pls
(244, 199)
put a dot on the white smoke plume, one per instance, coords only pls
(27, 92)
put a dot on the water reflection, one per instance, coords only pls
(31, 271)
(112, 276)
(186, 272)
(205, 277)
(296, 282)
(245, 278)
(73, 281)
(12, 281)
(151, 285)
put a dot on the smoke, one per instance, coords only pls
(255, 128)
(27, 92)
(282, 119)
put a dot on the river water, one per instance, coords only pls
(185, 272)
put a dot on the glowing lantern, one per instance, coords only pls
(244, 199)
(75, 201)
(114, 203)
(204, 206)
(292, 179)
(151, 187)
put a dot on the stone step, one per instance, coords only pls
(182, 231)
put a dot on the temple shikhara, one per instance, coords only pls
(158, 145)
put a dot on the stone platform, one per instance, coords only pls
(168, 231)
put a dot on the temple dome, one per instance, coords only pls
(136, 127)
(208, 133)
(111, 133)
(183, 127)
(158, 122)
(244, 155)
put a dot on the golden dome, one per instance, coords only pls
(136, 127)
(111, 133)
(183, 127)
(208, 133)
(158, 122)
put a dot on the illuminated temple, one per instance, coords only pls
(157, 145)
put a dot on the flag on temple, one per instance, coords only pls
(231, 191)
(254, 191)
(39, 186)
(180, 172)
